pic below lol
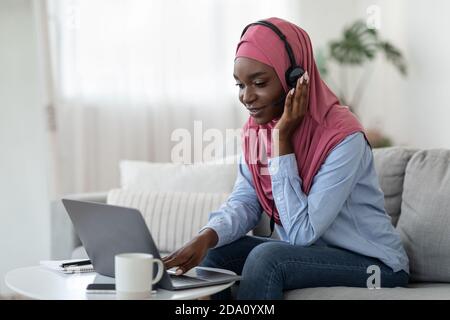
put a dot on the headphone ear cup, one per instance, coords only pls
(292, 75)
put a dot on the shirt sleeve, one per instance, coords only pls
(240, 213)
(306, 217)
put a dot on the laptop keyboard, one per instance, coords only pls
(186, 280)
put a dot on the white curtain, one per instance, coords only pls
(127, 73)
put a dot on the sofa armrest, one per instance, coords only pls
(63, 237)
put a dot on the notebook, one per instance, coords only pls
(56, 266)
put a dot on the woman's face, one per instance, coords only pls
(260, 89)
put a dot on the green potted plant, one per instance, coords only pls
(358, 46)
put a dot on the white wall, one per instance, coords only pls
(414, 111)
(428, 90)
(24, 201)
(384, 102)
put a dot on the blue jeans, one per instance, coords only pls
(268, 267)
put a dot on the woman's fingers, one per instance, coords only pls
(174, 261)
(166, 258)
(298, 92)
(306, 102)
(168, 262)
(303, 96)
(289, 101)
(171, 255)
(299, 108)
(181, 259)
(188, 265)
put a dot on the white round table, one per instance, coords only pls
(38, 282)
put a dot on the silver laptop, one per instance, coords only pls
(106, 230)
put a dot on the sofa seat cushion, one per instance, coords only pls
(424, 224)
(173, 218)
(415, 291)
(390, 165)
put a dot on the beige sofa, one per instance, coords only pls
(416, 184)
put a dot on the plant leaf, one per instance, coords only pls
(394, 55)
(358, 45)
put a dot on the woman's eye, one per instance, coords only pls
(258, 84)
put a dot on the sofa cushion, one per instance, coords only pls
(390, 165)
(173, 218)
(218, 176)
(414, 291)
(424, 224)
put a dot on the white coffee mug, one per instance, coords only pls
(134, 274)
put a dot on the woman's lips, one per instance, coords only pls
(256, 112)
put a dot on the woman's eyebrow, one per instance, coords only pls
(253, 75)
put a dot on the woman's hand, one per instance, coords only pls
(192, 253)
(295, 108)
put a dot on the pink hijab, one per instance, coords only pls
(324, 126)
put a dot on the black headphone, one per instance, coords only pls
(294, 72)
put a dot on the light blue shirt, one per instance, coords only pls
(345, 206)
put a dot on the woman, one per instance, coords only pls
(319, 185)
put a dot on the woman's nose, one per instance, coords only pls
(248, 96)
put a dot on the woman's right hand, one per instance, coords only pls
(192, 253)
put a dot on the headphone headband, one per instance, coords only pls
(294, 71)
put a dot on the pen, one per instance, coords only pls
(76, 263)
